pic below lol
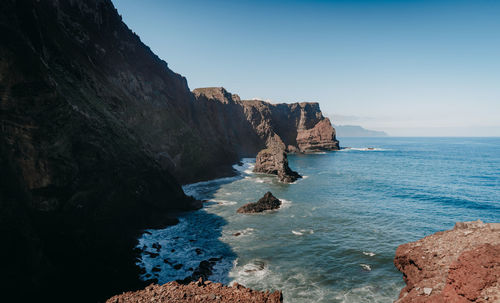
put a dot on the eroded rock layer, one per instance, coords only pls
(460, 265)
(197, 292)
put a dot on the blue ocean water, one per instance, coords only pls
(334, 238)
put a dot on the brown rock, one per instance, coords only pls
(273, 160)
(459, 265)
(267, 202)
(319, 138)
(199, 291)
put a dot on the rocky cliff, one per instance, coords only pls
(301, 127)
(97, 133)
(460, 265)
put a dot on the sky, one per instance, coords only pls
(410, 68)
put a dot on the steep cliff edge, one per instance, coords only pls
(97, 133)
(460, 265)
(71, 111)
(250, 125)
(272, 130)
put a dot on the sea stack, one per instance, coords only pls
(273, 160)
(268, 202)
(459, 265)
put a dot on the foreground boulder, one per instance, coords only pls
(273, 160)
(268, 202)
(198, 292)
(459, 265)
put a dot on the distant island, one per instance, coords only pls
(357, 131)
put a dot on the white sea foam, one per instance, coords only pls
(250, 273)
(369, 253)
(224, 202)
(363, 149)
(367, 293)
(243, 232)
(246, 167)
(285, 203)
(366, 267)
(297, 233)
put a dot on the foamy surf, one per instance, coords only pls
(302, 232)
(285, 203)
(363, 149)
(224, 202)
(366, 267)
(369, 253)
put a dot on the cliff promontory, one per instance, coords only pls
(459, 266)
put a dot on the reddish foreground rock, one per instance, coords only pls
(197, 292)
(459, 265)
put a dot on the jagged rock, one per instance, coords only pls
(459, 265)
(319, 138)
(268, 202)
(202, 272)
(273, 160)
(197, 292)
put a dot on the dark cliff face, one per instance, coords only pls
(81, 178)
(96, 135)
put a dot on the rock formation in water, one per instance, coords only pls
(197, 292)
(267, 202)
(97, 133)
(460, 265)
(274, 160)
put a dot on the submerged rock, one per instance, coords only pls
(268, 202)
(459, 265)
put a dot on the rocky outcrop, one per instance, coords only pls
(273, 160)
(267, 202)
(319, 138)
(301, 127)
(197, 292)
(460, 265)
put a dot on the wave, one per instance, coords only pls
(285, 203)
(370, 254)
(302, 232)
(366, 267)
(224, 202)
(363, 149)
(368, 293)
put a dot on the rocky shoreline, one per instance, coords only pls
(198, 291)
(459, 265)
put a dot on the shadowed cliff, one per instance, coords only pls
(97, 133)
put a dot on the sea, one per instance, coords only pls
(335, 235)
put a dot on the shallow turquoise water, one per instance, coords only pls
(335, 236)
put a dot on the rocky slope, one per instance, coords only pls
(460, 265)
(97, 133)
(197, 292)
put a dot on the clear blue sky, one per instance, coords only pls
(417, 68)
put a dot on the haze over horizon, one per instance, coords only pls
(409, 68)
